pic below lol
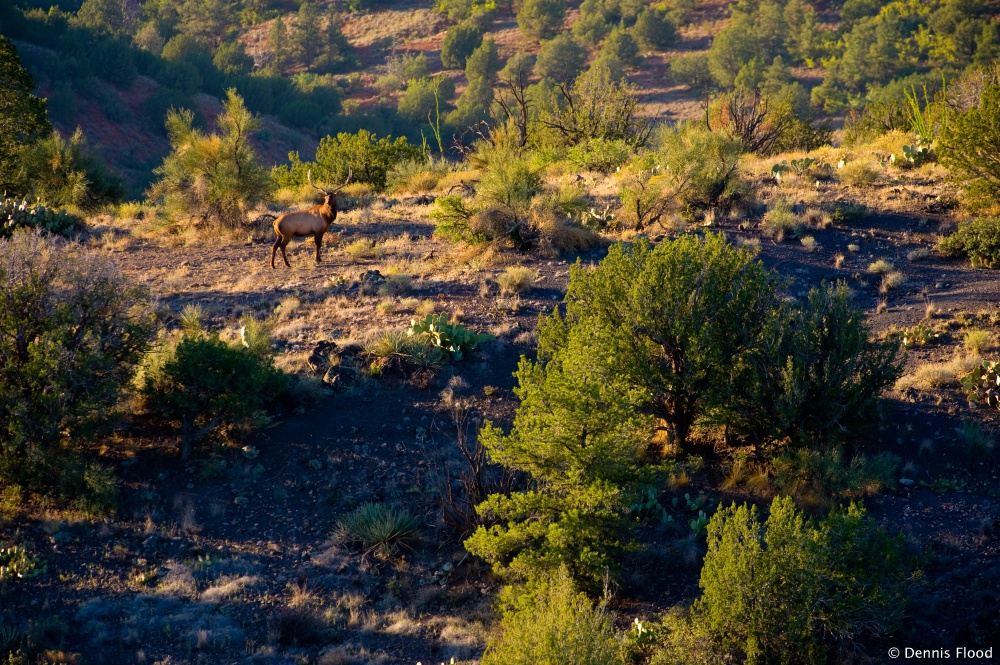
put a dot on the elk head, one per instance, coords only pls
(329, 195)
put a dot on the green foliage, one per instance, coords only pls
(817, 477)
(621, 45)
(560, 58)
(480, 70)
(540, 18)
(23, 118)
(642, 197)
(919, 335)
(379, 528)
(599, 154)
(231, 58)
(366, 156)
(551, 623)
(62, 173)
(702, 166)
(978, 239)
(17, 564)
(654, 29)
(213, 177)
(71, 333)
(424, 97)
(406, 355)
(820, 378)
(597, 107)
(459, 43)
(16, 215)
(788, 590)
(454, 338)
(692, 70)
(982, 384)
(205, 386)
(968, 143)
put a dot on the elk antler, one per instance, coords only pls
(350, 172)
(309, 177)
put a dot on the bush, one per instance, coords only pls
(419, 103)
(206, 387)
(968, 143)
(859, 174)
(63, 173)
(692, 70)
(452, 337)
(540, 18)
(71, 333)
(366, 156)
(459, 43)
(978, 239)
(702, 166)
(551, 623)
(818, 477)
(23, 119)
(792, 591)
(515, 280)
(379, 528)
(599, 155)
(229, 180)
(620, 45)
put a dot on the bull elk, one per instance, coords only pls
(312, 221)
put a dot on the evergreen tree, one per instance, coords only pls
(23, 118)
(277, 39)
(308, 39)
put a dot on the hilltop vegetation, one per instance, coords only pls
(647, 332)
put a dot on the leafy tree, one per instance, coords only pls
(969, 145)
(552, 623)
(540, 18)
(209, 21)
(420, 101)
(622, 46)
(480, 71)
(654, 29)
(212, 177)
(335, 45)
(72, 330)
(23, 119)
(702, 166)
(232, 59)
(277, 39)
(307, 38)
(733, 47)
(692, 70)
(561, 58)
(459, 43)
(112, 16)
(790, 590)
(593, 25)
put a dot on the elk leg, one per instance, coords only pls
(274, 250)
(318, 239)
(284, 255)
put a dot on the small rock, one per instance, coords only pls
(905, 482)
(447, 567)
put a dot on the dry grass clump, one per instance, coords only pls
(881, 267)
(809, 243)
(918, 254)
(939, 375)
(838, 261)
(892, 281)
(515, 280)
(860, 174)
(814, 218)
(397, 284)
(978, 341)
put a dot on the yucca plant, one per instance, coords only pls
(379, 528)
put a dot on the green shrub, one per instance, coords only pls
(551, 623)
(72, 331)
(205, 386)
(17, 564)
(692, 70)
(64, 172)
(23, 119)
(16, 215)
(599, 155)
(790, 590)
(978, 239)
(968, 143)
(365, 156)
(641, 196)
(459, 43)
(379, 528)
(621, 45)
(702, 166)
(818, 477)
(420, 104)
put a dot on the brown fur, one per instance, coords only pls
(312, 221)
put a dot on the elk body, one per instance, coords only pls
(312, 221)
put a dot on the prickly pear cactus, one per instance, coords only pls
(16, 214)
(982, 384)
